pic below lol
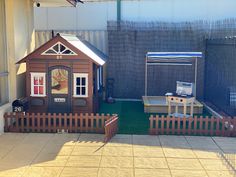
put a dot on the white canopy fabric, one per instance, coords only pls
(174, 54)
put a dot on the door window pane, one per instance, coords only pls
(59, 79)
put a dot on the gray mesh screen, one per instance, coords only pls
(128, 42)
(220, 83)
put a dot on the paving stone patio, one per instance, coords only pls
(85, 155)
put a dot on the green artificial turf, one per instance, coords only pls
(132, 119)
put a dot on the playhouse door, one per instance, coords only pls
(59, 88)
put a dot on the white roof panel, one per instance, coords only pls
(96, 55)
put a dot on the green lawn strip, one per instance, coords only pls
(133, 120)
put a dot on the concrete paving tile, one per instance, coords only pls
(119, 136)
(79, 172)
(120, 142)
(90, 140)
(184, 164)
(13, 172)
(12, 137)
(146, 140)
(213, 164)
(122, 162)
(225, 143)
(115, 172)
(56, 149)
(42, 172)
(87, 155)
(24, 150)
(51, 160)
(148, 151)
(207, 154)
(39, 139)
(188, 173)
(220, 173)
(172, 141)
(152, 173)
(4, 152)
(140, 162)
(201, 142)
(83, 161)
(91, 137)
(179, 153)
(17, 161)
(65, 139)
(90, 150)
(117, 151)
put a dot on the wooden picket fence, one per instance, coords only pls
(111, 127)
(160, 125)
(52, 123)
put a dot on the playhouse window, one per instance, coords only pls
(38, 84)
(80, 85)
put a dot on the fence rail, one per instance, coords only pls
(192, 126)
(111, 127)
(52, 123)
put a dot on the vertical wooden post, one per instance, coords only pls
(59, 117)
(184, 125)
(190, 120)
(167, 125)
(162, 124)
(173, 124)
(217, 130)
(195, 124)
(44, 122)
(54, 122)
(70, 122)
(206, 125)
(157, 124)
(22, 121)
(178, 120)
(81, 122)
(212, 126)
(201, 131)
(151, 125)
(75, 117)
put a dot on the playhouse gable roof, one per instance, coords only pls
(67, 45)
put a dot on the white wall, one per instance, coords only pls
(20, 41)
(94, 15)
(91, 15)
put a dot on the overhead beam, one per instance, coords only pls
(72, 2)
(118, 10)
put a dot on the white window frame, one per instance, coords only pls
(32, 75)
(75, 76)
